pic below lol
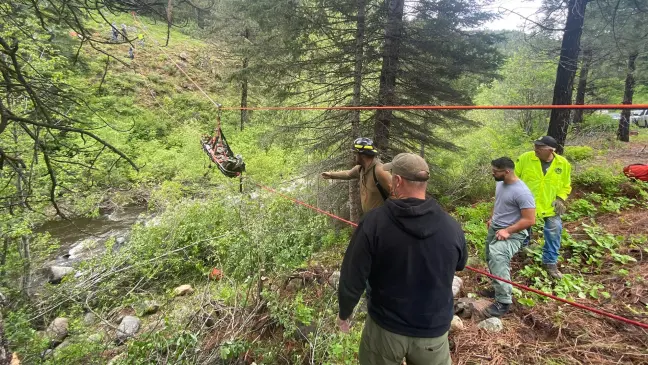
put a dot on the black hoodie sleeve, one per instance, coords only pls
(463, 250)
(354, 273)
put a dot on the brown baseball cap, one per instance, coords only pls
(410, 166)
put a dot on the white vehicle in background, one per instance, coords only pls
(639, 117)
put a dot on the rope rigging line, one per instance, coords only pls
(449, 107)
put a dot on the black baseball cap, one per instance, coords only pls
(546, 141)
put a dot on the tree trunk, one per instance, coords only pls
(582, 85)
(355, 206)
(244, 85)
(3, 259)
(388, 73)
(5, 354)
(169, 14)
(567, 66)
(623, 134)
(244, 96)
(23, 246)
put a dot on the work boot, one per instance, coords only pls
(552, 270)
(497, 309)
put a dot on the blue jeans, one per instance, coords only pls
(552, 233)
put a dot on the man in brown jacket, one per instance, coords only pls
(375, 183)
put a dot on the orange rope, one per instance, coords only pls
(447, 107)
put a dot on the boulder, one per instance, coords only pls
(127, 328)
(82, 248)
(493, 325)
(89, 319)
(58, 330)
(150, 307)
(471, 308)
(456, 325)
(334, 279)
(294, 285)
(457, 284)
(56, 273)
(96, 338)
(183, 290)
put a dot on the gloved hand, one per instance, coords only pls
(559, 206)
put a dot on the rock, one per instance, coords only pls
(14, 359)
(82, 247)
(63, 345)
(58, 330)
(56, 273)
(457, 284)
(150, 307)
(89, 319)
(127, 328)
(334, 279)
(463, 308)
(294, 285)
(183, 56)
(491, 325)
(478, 308)
(96, 338)
(120, 240)
(471, 308)
(183, 290)
(456, 325)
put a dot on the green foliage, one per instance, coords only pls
(589, 255)
(342, 348)
(580, 208)
(598, 123)
(174, 346)
(232, 349)
(578, 153)
(22, 337)
(600, 179)
(289, 312)
(532, 87)
(473, 219)
(567, 287)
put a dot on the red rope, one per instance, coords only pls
(447, 107)
(306, 205)
(523, 287)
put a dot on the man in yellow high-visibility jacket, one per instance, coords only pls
(548, 175)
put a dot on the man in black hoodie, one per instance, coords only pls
(408, 250)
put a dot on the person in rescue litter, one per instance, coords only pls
(548, 176)
(408, 249)
(374, 181)
(513, 213)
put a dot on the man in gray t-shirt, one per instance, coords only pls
(513, 213)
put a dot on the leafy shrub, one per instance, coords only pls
(600, 179)
(601, 123)
(473, 219)
(580, 208)
(579, 153)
